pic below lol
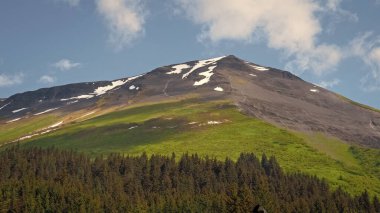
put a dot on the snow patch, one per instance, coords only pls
(201, 64)
(207, 76)
(219, 89)
(46, 111)
(314, 90)
(258, 68)
(253, 75)
(56, 125)
(14, 120)
(178, 69)
(118, 83)
(213, 122)
(132, 127)
(19, 110)
(132, 87)
(192, 123)
(5, 105)
(102, 90)
(72, 102)
(33, 135)
(27, 137)
(78, 97)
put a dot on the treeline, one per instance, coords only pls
(49, 180)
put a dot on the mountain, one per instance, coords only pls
(273, 95)
(216, 107)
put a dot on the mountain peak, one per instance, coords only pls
(263, 92)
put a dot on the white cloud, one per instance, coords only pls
(333, 4)
(125, 20)
(9, 80)
(46, 79)
(329, 84)
(66, 64)
(291, 26)
(321, 59)
(367, 47)
(374, 57)
(72, 3)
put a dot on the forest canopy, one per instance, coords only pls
(37, 180)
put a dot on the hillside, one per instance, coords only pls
(266, 93)
(217, 107)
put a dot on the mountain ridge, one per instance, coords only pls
(273, 95)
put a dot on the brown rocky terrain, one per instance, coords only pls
(270, 94)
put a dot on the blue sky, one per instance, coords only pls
(333, 43)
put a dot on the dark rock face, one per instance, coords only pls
(270, 94)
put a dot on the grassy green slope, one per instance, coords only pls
(13, 131)
(170, 127)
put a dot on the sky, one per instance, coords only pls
(331, 43)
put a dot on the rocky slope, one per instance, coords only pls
(270, 94)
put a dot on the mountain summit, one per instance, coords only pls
(270, 94)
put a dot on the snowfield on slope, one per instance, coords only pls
(46, 111)
(19, 110)
(207, 76)
(5, 106)
(104, 89)
(201, 64)
(14, 120)
(178, 69)
(56, 125)
(78, 97)
(258, 68)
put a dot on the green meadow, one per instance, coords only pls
(216, 129)
(15, 130)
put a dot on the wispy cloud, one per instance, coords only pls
(46, 79)
(367, 47)
(337, 15)
(10, 80)
(292, 27)
(66, 64)
(125, 20)
(334, 6)
(329, 84)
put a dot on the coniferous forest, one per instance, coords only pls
(50, 180)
